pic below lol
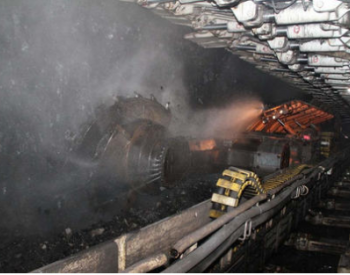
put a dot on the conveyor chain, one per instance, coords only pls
(236, 183)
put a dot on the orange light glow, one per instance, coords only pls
(202, 145)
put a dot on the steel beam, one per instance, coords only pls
(334, 205)
(308, 242)
(334, 221)
(129, 250)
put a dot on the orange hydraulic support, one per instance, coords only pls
(290, 118)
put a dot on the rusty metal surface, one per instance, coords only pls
(292, 118)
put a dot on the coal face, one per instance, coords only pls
(59, 61)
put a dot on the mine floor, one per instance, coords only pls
(24, 254)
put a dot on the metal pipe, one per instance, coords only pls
(294, 45)
(265, 59)
(201, 233)
(286, 127)
(203, 265)
(139, 245)
(244, 47)
(324, 166)
(333, 221)
(214, 27)
(200, 268)
(159, 1)
(302, 60)
(281, 70)
(281, 31)
(190, 261)
(297, 123)
(209, 246)
(148, 264)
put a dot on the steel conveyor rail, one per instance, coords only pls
(173, 236)
(233, 230)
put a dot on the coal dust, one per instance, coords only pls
(226, 122)
(60, 60)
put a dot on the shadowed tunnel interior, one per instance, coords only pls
(60, 61)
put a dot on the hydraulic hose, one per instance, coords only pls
(193, 259)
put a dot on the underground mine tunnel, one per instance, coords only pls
(174, 136)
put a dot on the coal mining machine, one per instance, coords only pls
(275, 175)
(238, 230)
(134, 148)
(287, 168)
(303, 42)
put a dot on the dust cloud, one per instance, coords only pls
(60, 59)
(226, 122)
